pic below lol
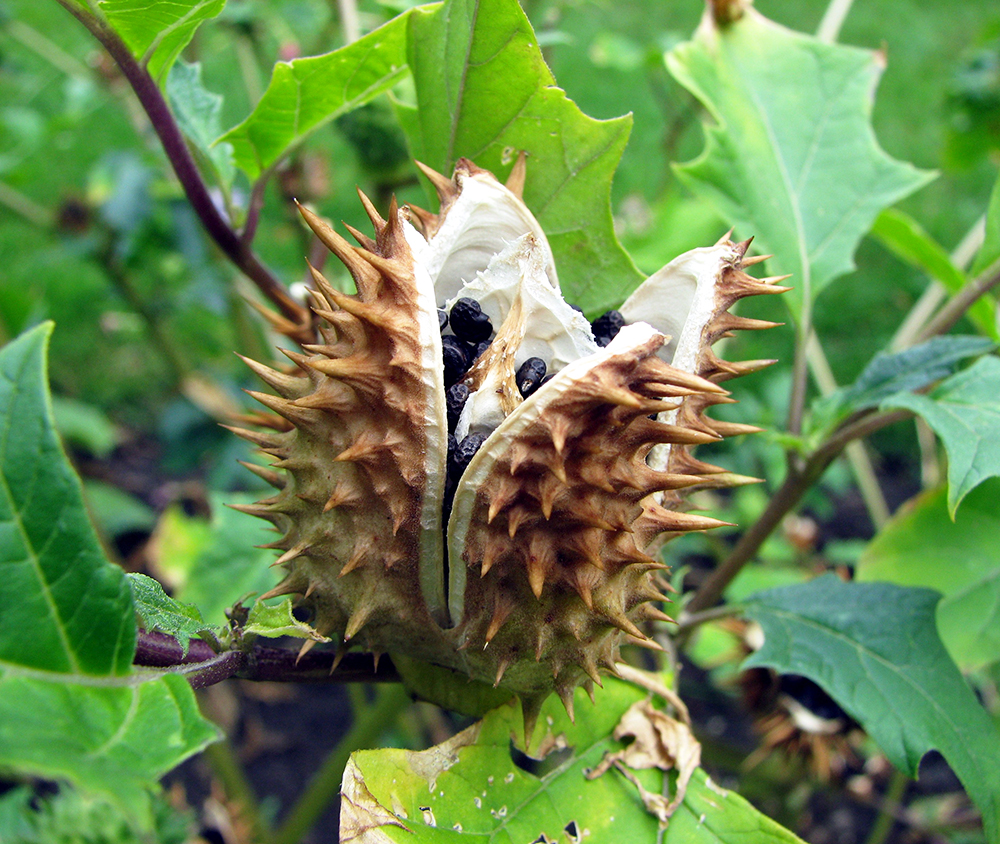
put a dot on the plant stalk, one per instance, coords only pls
(177, 152)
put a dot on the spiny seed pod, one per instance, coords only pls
(536, 559)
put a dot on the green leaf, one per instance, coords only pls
(116, 512)
(158, 612)
(889, 374)
(469, 788)
(989, 252)
(198, 113)
(157, 30)
(67, 626)
(484, 92)
(792, 158)
(213, 563)
(63, 607)
(874, 648)
(964, 412)
(906, 238)
(278, 621)
(306, 93)
(110, 738)
(922, 546)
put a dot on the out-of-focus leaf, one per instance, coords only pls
(964, 412)
(306, 93)
(213, 563)
(64, 607)
(84, 426)
(198, 112)
(889, 374)
(874, 648)
(158, 612)
(157, 30)
(114, 511)
(989, 252)
(484, 92)
(922, 546)
(791, 159)
(906, 238)
(69, 709)
(469, 788)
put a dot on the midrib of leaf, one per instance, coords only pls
(457, 111)
(862, 650)
(787, 179)
(164, 33)
(33, 558)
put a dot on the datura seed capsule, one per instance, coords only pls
(537, 557)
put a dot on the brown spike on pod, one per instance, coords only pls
(644, 642)
(589, 666)
(648, 612)
(288, 586)
(531, 706)
(344, 493)
(300, 417)
(289, 386)
(565, 693)
(357, 620)
(621, 621)
(515, 181)
(265, 473)
(541, 559)
(672, 520)
(724, 238)
(424, 221)
(517, 516)
(501, 612)
(261, 439)
(588, 687)
(594, 474)
(261, 511)
(377, 221)
(363, 240)
(493, 550)
(444, 186)
(733, 429)
(502, 666)
(338, 657)
(282, 325)
(744, 367)
(754, 259)
(731, 322)
(741, 248)
(296, 550)
(307, 646)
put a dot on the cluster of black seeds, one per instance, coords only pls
(472, 331)
(460, 454)
(606, 326)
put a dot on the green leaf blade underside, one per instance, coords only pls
(64, 607)
(198, 112)
(889, 374)
(964, 411)
(306, 93)
(922, 546)
(791, 159)
(479, 794)
(484, 93)
(113, 740)
(157, 30)
(874, 648)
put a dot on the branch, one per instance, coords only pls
(177, 152)
(202, 666)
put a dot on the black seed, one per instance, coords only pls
(607, 325)
(442, 318)
(602, 340)
(452, 445)
(469, 322)
(456, 359)
(529, 376)
(465, 451)
(457, 396)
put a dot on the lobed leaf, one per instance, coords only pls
(889, 374)
(469, 788)
(484, 92)
(792, 158)
(158, 612)
(306, 93)
(922, 546)
(275, 621)
(63, 607)
(964, 412)
(874, 648)
(157, 30)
